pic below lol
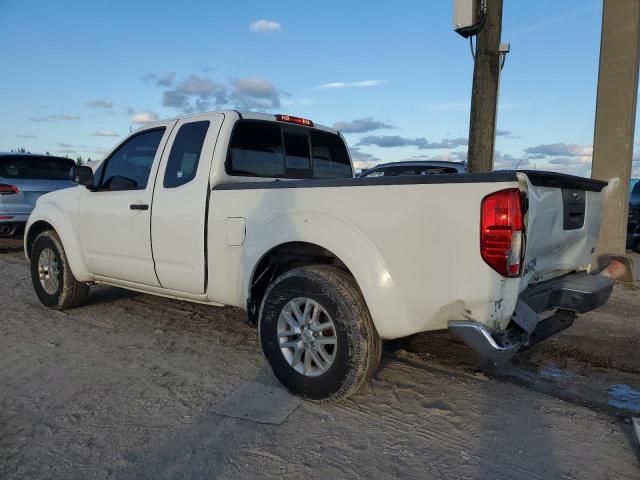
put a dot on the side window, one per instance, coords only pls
(330, 158)
(256, 150)
(297, 158)
(437, 170)
(185, 154)
(404, 171)
(128, 167)
(375, 173)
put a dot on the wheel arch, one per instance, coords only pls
(51, 218)
(283, 258)
(314, 238)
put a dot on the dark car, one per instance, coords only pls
(633, 226)
(395, 169)
(24, 177)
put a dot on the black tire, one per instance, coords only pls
(358, 348)
(69, 292)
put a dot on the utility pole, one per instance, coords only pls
(615, 117)
(484, 97)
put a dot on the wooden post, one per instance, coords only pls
(615, 117)
(484, 97)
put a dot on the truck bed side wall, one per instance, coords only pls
(413, 249)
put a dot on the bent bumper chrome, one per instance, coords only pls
(480, 339)
(569, 295)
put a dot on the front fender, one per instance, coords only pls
(347, 242)
(54, 209)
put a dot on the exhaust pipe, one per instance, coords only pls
(5, 229)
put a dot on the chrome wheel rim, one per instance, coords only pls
(307, 337)
(48, 271)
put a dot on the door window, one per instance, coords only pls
(128, 168)
(185, 154)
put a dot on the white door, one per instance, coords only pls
(115, 219)
(178, 217)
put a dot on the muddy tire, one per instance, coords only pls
(317, 334)
(52, 279)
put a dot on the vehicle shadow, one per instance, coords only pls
(100, 294)
(10, 245)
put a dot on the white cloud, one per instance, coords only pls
(362, 160)
(105, 133)
(52, 117)
(100, 104)
(200, 93)
(162, 80)
(358, 84)
(560, 149)
(255, 93)
(361, 125)
(388, 141)
(263, 25)
(143, 118)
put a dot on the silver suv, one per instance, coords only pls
(23, 178)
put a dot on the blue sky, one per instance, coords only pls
(77, 75)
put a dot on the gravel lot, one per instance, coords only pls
(129, 386)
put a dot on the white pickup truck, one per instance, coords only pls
(262, 212)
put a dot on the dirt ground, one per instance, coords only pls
(127, 387)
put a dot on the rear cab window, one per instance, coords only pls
(35, 167)
(273, 150)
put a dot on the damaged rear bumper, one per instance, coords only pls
(568, 295)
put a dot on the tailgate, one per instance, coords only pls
(562, 223)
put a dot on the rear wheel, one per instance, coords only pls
(52, 279)
(317, 334)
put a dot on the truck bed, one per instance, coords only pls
(412, 243)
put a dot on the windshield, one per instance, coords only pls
(35, 168)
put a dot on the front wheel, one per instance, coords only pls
(317, 334)
(52, 279)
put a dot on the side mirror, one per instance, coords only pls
(82, 176)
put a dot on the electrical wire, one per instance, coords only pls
(473, 53)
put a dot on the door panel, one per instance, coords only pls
(178, 217)
(115, 224)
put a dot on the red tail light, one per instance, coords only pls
(502, 232)
(8, 189)
(296, 120)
